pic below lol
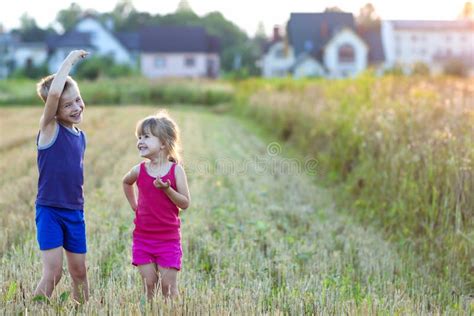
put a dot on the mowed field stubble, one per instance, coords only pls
(257, 239)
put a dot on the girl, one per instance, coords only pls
(162, 191)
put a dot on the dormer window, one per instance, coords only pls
(346, 53)
(280, 53)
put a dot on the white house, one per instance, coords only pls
(431, 42)
(278, 60)
(178, 51)
(345, 54)
(6, 54)
(92, 35)
(307, 66)
(29, 54)
(320, 44)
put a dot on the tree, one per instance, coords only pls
(184, 6)
(333, 9)
(260, 39)
(67, 18)
(467, 12)
(29, 31)
(124, 17)
(368, 18)
(233, 40)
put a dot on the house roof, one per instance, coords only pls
(373, 38)
(69, 39)
(131, 40)
(302, 58)
(177, 39)
(309, 32)
(420, 25)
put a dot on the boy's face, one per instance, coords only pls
(70, 107)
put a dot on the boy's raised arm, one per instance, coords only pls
(57, 86)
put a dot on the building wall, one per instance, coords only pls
(405, 47)
(275, 63)
(308, 68)
(156, 65)
(36, 53)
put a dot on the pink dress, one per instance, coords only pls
(157, 235)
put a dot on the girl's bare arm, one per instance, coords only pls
(180, 197)
(128, 180)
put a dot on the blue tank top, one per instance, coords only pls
(61, 171)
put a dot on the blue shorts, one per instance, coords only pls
(56, 227)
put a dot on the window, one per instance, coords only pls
(346, 53)
(189, 61)
(280, 53)
(160, 62)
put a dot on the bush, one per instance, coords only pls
(31, 72)
(455, 67)
(420, 68)
(96, 67)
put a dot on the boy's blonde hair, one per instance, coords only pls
(43, 86)
(162, 126)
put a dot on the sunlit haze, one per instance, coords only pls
(245, 13)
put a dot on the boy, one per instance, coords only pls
(60, 200)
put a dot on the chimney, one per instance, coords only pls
(276, 33)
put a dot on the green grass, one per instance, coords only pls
(257, 239)
(397, 151)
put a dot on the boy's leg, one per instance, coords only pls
(77, 268)
(52, 270)
(150, 278)
(169, 282)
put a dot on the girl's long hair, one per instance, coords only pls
(162, 126)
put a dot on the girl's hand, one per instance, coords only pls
(76, 55)
(159, 184)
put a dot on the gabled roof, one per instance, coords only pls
(433, 25)
(69, 39)
(303, 57)
(309, 32)
(173, 39)
(373, 38)
(131, 40)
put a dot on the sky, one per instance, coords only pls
(245, 13)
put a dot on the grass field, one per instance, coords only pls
(259, 238)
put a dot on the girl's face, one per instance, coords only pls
(70, 107)
(149, 146)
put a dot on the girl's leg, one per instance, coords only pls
(150, 278)
(77, 268)
(52, 270)
(169, 282)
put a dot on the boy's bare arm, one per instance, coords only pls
(57, 87)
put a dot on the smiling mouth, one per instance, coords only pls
(77, 115)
